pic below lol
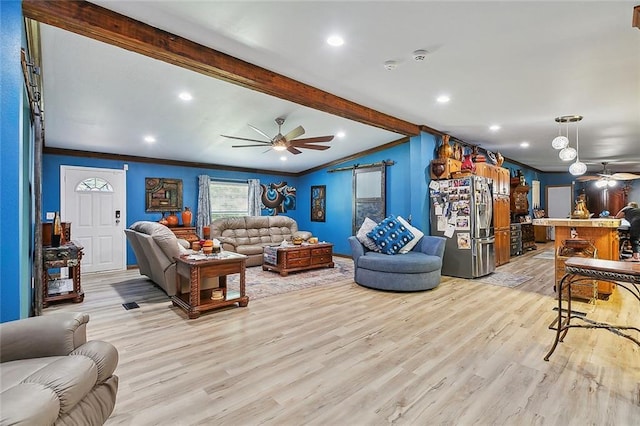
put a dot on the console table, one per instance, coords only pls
(625, 274)
(68, 255)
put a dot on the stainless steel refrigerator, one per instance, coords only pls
(462, 211)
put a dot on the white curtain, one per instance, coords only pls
(254, 197)
(204, 204)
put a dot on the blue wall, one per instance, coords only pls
(135, 185)
(15, 226)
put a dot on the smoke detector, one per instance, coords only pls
(391, 65)
(420, 55)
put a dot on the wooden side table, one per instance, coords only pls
(193, 270)
(68, 255)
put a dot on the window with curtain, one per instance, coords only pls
(229, 199)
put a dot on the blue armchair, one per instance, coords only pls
(416, 270)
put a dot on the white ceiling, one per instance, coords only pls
(518, 64)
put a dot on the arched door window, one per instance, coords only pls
(94, 184)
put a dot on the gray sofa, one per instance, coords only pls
(50, 374)
(156, 248)
(419, 269)
(249, 235)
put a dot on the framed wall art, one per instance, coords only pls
(163, 195)
(318, 203)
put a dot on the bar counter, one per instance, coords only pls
(602, 233)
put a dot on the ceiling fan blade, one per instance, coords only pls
(245, 139)
(586, 178)
(316, 147)
(293, 150)
(244, 146)
(314, 140)
(298, 131)
(260, 131)
(624, 176)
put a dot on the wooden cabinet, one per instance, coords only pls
(499, 175)
(502, 247)
(519, 201)
(186, 233)
(528, 239)
(540, 234)
(515, 240)
(501, 221)
(446, 165)
(55, 287)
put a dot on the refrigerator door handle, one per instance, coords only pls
(488, 240)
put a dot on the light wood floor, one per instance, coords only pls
(465, 353)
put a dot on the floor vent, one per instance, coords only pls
(130, 305)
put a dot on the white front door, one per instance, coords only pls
(94, 201)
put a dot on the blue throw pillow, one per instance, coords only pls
(390, 235)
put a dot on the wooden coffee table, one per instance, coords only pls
(298, 258)
(197, 300)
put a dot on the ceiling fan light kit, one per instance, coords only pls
(606, 182)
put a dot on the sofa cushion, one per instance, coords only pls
(390, 235)
(418, 234)
(366, 227)
(250, 249)
(410, 263)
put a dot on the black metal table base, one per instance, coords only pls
(606, 271)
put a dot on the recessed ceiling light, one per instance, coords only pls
(494, 127)
(149, 139)
(283, 158)
(340, 134)
(443, 99)
(185, 96)
(335, 40)
(524, 144)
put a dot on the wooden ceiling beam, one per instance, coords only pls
(93, 21)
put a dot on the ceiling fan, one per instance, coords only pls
(606, 178)
(287, 142)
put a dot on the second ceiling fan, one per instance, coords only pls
(287, 142)
(606, 178)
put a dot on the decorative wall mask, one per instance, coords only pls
(278, 198)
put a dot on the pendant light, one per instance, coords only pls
(578, 168)
(561, 141)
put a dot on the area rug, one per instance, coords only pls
(547, 254)
(504, 279)
(260, 284)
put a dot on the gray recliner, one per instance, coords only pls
(50, 374)
(419, 269)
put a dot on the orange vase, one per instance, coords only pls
(172, 220)
(187, 215)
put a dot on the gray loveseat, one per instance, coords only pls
(156, 248)
(419, 269)
(249, 235)
(49, 373)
